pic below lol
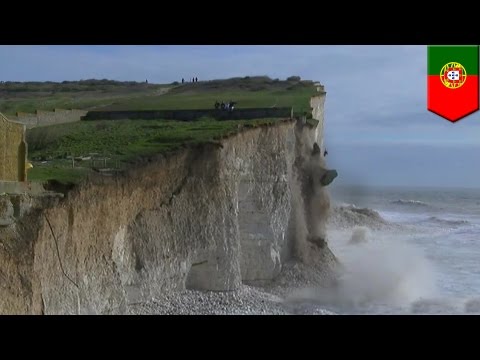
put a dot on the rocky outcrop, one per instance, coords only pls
(208, 218)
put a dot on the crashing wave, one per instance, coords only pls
(377, 274)
(348, 216)
(410, 203)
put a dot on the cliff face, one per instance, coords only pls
(208, 218)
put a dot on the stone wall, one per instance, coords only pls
(190, 115)
(43, 118)
(13, 150)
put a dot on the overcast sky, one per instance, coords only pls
(378, 130)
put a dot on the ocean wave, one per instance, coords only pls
(446, 306)
(472, 305)
(348, 216)
(410, 203)
(346, 205)
(434, 306)
(437, 220)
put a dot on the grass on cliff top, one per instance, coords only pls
(247, 92)
(60, 173)
(121, 142)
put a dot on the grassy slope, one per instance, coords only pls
(28, 97)
(261, 92)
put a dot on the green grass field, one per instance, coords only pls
(122, 142)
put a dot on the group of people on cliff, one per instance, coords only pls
(229, 106)
(194, 79)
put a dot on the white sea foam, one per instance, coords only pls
(377, 272)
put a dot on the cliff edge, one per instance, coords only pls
(211, 217)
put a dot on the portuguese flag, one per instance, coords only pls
(453, 81)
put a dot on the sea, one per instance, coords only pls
(417, 252)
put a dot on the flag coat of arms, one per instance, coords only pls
(453, 81)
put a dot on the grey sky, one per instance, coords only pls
(377, 125)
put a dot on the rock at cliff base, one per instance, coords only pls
(329, 176)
